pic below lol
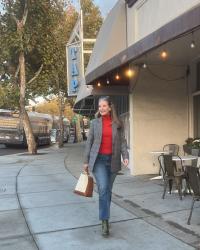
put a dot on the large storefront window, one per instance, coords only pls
(197, 116)
(196, 102)
(122, 108)
(198, 77)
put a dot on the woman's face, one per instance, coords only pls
(104, 108)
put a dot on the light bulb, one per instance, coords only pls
(164, 54)
(144, 66)
(192, 45)
(117, 77)
(129, 73)
(99, 84)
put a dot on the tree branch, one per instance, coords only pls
(20, 23)
(17, 71)
(36, 75)
(25, 12)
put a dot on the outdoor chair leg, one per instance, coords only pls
(188, 187)
(170, 186)
(179, 186)
(180, 191)
(165, 188)
(191, 210)
(159, 172)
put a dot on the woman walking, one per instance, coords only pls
(105, 145)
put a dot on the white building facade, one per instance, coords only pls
(159, 43)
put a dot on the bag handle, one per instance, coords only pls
(85, 172)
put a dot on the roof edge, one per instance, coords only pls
(130, 2)
(181, 25)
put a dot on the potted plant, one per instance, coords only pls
(196, 147)
(192, 146)
(187, 147)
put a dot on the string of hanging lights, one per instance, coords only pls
(164, 56)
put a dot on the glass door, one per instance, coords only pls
(196, 101)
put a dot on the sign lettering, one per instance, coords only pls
(74, 68)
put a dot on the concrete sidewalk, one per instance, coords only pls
(38, 209)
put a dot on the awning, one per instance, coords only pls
(184, 24)
(105, 48)
(85, 101)
(111, 38)
(84, 91)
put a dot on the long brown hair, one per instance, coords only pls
(113, 112)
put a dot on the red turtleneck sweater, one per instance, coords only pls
(106, 142)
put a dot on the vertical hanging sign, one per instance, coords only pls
(74, 68)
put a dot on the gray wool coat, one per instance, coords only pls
(119, 145)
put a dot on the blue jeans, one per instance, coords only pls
(104, 180)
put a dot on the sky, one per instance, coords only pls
(104, 5)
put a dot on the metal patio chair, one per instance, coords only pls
(172, 148)
(171, 174)
(194, 182)
(186, 167)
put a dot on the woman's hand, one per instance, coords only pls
(125, 162)
(85, 168)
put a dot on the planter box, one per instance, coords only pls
(187, 149)
(195, 151)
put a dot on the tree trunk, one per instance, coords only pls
(78, 130)
(32, 147)
(60, 142)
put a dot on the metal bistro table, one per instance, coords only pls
(160, 152)
(184, 158)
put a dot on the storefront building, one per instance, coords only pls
(150, 50)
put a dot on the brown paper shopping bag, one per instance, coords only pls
(84, 185)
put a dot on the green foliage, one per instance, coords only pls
(9, 96)
(92, 21)
(92, 18)
(43, 40)
(52, 107)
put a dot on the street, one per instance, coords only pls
(12, 150)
